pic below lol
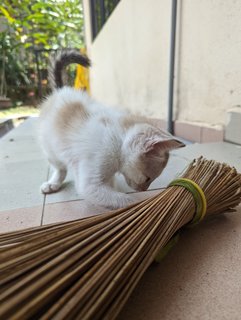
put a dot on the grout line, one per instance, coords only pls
(44, 201)
(73, 200)
(42, 214)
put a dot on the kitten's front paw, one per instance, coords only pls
(48, 187)
(122, 202)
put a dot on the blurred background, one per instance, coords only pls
(177, 61)
(30, 31)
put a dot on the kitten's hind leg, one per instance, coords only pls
(56, 179)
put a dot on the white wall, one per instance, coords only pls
(209, 67)
(131, 58)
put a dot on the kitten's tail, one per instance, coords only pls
(62, 60)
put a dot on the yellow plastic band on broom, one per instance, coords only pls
(201, 208)
(198, 195)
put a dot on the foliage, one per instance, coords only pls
(15, 68)
(46, 24)
(26, 26)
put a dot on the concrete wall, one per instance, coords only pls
(209, 67)
(131, 59)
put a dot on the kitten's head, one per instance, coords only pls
(145, 154)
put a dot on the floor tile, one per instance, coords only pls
(22, 168)
(66, 193)
(20, 184)
(18, 150)
(21, 144)
(174, 169)
(220, 151)
(26, 129)
(71, 210)
(17, 219)
(198, 279)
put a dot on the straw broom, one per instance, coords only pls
(87, 269)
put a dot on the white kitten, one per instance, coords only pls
(97, 142)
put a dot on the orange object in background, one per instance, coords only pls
(82, 76)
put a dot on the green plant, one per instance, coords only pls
(46, 24)
(13, 71)
(32, 26)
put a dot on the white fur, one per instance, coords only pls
(96, 150)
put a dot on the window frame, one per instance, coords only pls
(105, 10)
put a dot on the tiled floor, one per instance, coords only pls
(22, 171)
(199, 279)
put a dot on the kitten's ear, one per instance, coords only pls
(159, 146)
(171, 144)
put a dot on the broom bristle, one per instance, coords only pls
(87, 269)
